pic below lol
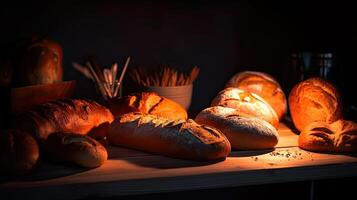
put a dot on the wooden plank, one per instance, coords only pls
(151, 173)
(130, 172)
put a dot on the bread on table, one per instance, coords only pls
(243, 132)
(19, 152)
(75, 148)
(263, 85)
(173, 138)
(314, 100)
(149, 103)
(246, 103)
(339, 136)
(67, 115)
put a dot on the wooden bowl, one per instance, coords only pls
(24, 98)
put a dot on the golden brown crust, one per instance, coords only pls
(314, 100)
(263, 85)
(75, 148)
(243, 132)
(19, 152)
(174, 138)
(149, 103)
(340, 136)
(246, 103)
(67, 115)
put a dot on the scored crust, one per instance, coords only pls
(174, 138)
(246, 103)
(339, 136)
(263, 85)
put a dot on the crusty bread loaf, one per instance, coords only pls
(174, 138)
(339, 136)
(75, 148)
(243, 132)
(246, 103)
(263, 85)
(67, 115)
(314, 100)
(149, 103)
(19, 152)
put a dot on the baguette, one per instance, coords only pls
(243, 132)
(173, 138)
(75, 148)
(67, 115)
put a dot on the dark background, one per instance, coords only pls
(222, 38)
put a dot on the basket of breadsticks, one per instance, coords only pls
(167, 82)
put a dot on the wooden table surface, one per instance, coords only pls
(130, 172)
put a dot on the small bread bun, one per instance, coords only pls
(314, 100)
(243, 132)
(340, 136)
(149, 103)
(19, 152)
(263, 85)
(75, 148)
(246, 103)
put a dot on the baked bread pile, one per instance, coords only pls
(316, 110)
(57, 129)
(263, 85)
(247, 111)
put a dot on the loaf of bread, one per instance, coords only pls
(339, 136)
(314, 100)
(243, 132)
(149, 103)
(67, 115)
(75, 148)
(246, 103)
(263, 85)
(173, 138)
(19, 152)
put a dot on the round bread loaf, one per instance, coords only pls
(19, 152)
(263, 85)
(75, 148)
(148, 103)
(175, 138)
(340, 136)
(314, 100)
(243, 132)
(246, 103)
(42, 63)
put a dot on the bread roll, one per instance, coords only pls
(243, 132)
(174, 138)
(42, 63)
(246, 103)
(263, 85)
(314, 100)
(149, 103)
(67, 115)
(75, 148)
(19, 152)
(340, 136)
